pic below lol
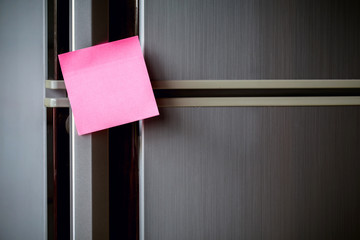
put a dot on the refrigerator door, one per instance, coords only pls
(218, 164)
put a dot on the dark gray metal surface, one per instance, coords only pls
(253, 173)
(252, 39)
(22, 120)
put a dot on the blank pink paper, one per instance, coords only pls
(108, 85)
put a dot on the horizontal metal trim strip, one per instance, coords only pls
(56, 102)
(55, 84)
(258, 101)
(240, 84)
(316, 92)
(257, 84)
(235, 101)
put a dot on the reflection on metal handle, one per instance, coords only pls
(55, 84)
(56, 102)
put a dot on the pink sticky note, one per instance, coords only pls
(108, 85)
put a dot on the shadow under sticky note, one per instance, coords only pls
(108, 85)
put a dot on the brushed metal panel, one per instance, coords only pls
(252, 173)
(252, 39)
(23, 197)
